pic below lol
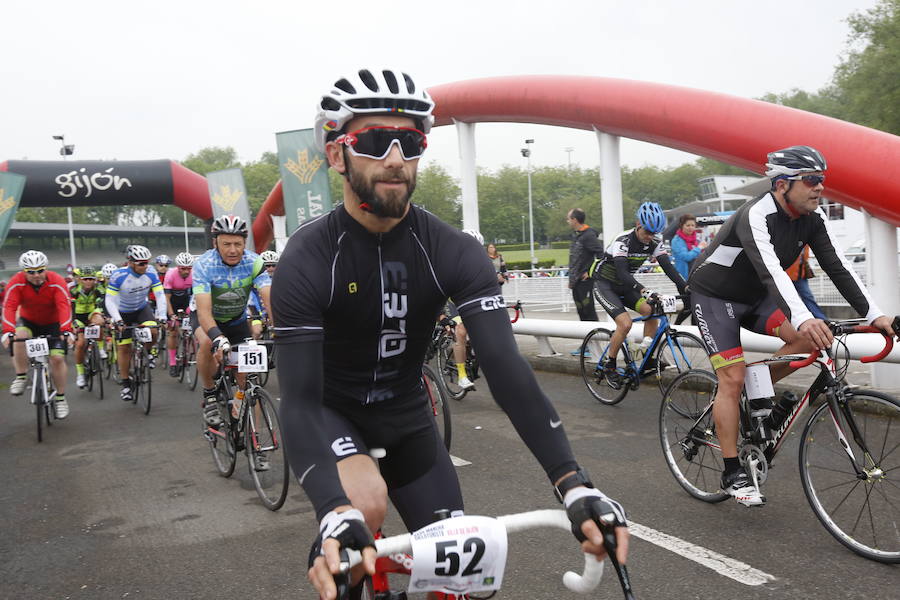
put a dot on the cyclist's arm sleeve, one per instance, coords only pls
(845, 279)
(10, 306)
(670, 270)
(308, 450)
(64, 309)
(515, 388)
(161, 305)
(112, 302)
(624, 275)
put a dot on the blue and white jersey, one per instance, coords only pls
(129, 292)
(229, 286)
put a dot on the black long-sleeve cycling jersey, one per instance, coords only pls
(625, 255)
(746, 260)
(354, 313)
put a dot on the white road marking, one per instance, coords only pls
(721, 564)
(459, 462)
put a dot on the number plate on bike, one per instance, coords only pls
(186, 324)
(252, 359)
(758, 382)
(37, 347)
(668, 303)
(459, 555)
(143, 334)
(92, 332)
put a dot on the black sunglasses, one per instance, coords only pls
(376, 142)
(35, 271)
(810, 180)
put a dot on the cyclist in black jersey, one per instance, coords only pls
(739, 280)
(355, 297)
(616, 286)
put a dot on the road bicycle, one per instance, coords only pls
(256, 430)
(42, 389)
(460, 558)
(437, 403)
(186, 351)
(111, 364)
(849, 450)
(671, 352)
(446, 363)
(518, 311)
(93, 364)
(139, 372)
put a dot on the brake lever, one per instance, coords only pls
(609, 542)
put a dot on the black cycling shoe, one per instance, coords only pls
(612, 376)
(173, 370)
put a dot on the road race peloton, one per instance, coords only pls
(42, 302)
(617, 288)
(355, 298)
(88, 308)
(739, 281)
(127, 304)
(223, 277)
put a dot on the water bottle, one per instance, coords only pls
(645, 344)
(782, 409)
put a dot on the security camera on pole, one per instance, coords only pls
(65, 151)
(526, 152)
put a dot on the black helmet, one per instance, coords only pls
(795, 160)
(229, 224)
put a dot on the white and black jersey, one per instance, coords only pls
(626, 254)
(747, 260)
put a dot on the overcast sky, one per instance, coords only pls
(145, 80)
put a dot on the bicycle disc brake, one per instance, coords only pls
(754, 459)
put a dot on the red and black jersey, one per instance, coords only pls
(42, 305)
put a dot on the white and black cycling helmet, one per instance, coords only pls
(269, 257)
(32, 259)
(795, 160)
(136, 252)
(163, 259)
(371, 92)
(108, 269)
(230, 225)
(475, 234)
(184, 259)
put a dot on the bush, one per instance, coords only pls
(524, 265)
(560, 245)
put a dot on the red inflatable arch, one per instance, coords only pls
(734, 130)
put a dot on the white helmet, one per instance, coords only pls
(184, 259)
(136, 252)
(108, 269)
(269, 257)
(371, 92)
(32, 259)
(475, 234)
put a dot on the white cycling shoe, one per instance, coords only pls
(103, 354)
(466, 384)
(80, 381)
(62, 409)
(17, 387)
(739, 486)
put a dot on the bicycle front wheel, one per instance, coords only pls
(190, 366)
(447, 368)
(221, 441)
(147, 385)
(860, 509)
(687, 433)
(678, 352)
(437, 404)
(594, 351)
(266, 455)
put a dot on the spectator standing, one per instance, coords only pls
(584, 249)
(499, 264)
(685, 245)
(800, 272)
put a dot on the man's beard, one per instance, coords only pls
(392, 204)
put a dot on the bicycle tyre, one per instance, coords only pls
(437, 404)
(97, 369)
(690, 447)
(37, 394)
(89, 369)
(222, 444)
(181, 359)
(446, 365)
(272, 485)
(686, 352)
(191, 366)
(147, 383)
(829, 480)
(135, 375)
(595, 343)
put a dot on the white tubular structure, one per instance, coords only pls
(581, 584)
(859, 345)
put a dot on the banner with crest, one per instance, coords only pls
(228, 196)
(304, 177)
(11, 187)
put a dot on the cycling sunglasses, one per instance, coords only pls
(376, 142)
(35, 271)
(88, 278)
(810, 180)
(141, 263)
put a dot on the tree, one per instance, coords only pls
(437, 192)
(212, 158)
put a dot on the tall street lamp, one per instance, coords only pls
(526, 152)
(569, 150)
(66, 150)
(523, 229)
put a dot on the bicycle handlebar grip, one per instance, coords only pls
(888, 343)
(796, 364)
(588, 580)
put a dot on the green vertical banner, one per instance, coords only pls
(304, 177)
(11, 187)
(228, 196)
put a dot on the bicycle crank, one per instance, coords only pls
(754, 460)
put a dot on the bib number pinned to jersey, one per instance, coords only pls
(668, 303)
(252, 358)
(143, 334)
(459, 555)
(186, 324)
(92, 332)
(37, 347)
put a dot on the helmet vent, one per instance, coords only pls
(344, 85)
(410, 84)
(368, 79)
(391, 81)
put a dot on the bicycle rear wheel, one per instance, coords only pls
(688, 437)
(861, 513)
(677, 352)
(263, 439)
(221, 441)
(446, 365)
(437, 404)
(593, 354)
